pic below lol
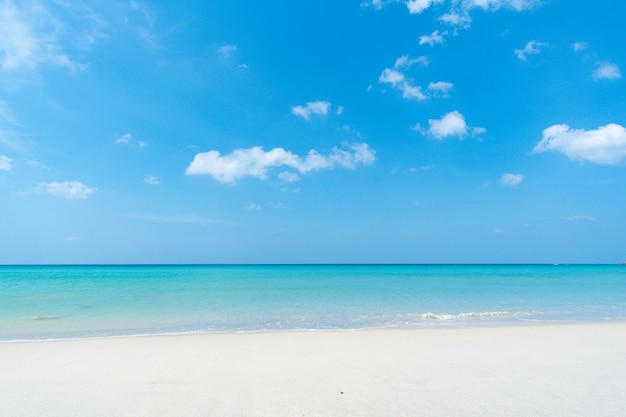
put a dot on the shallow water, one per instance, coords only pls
(52, 302)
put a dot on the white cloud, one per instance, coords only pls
(227, 51)
(605, 145)
(418, 6)
(28, 38)
(289, 176)
(462, 20)
(512, 180)
(432, 39)
(278, 205)
(68, 189)
(124, 139)
(518, 5)
(399, 81)
(458, 12)
(128, 139)
(5, 163)
(531, 48)
(579, 46)
(377, 4)
(152, 180)
(441, 88)
(582, 217)
(312, 107)
(255, 162)
(606, 70)
(404, 62)
(253, 206)
(391, 76)
(451, 124)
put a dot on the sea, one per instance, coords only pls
(69, 302)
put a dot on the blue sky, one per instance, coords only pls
(420, 131)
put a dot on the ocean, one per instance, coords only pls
(65, 302)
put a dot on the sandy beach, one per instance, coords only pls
(546, 370)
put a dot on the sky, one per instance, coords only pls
(376, 131)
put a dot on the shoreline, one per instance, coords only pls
(443, 325)
(530, 370)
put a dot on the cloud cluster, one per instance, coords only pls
(605, 145)
(450, 125)
(399, 81)
(319, 108)
(517, 5)
(458, 13)
(69, 189)
(255, 162)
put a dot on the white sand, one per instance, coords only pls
(564, 370)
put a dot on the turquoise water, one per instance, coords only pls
(52, 302)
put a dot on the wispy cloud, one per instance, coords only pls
(29, 38)
(254, 206)
(582, 218)
(377, 4)
(312, 108)
(605, 145)
(511, 180)
(452, 124)
(289, 176)
(152, 180)
(73, 190)
(398, 80)
(433, 39)
(405, 62)
(440, 88)
(531, 48)
(5, 163)
(457, 13)
(579, 46)
(10, 135)
(255, 162)
(418, 6)
(176, 218)
(518, 5)
(128, 139)
(606, 71)
(6, 115)
(227, 51)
